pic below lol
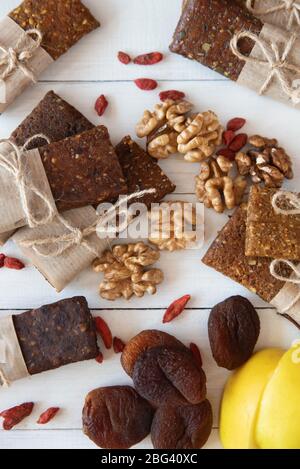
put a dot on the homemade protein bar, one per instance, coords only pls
(270, 234)
(227, 256)
(61, 22)
(52, 117)
(205, 29)
(141, 172)
(83, 170)
(56, 335)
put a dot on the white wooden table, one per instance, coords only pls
(88, 70)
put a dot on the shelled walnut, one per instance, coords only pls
(201, 137)
(173, 226)
(216, 188)
(162, 126)
(124, 271)
(265, 162)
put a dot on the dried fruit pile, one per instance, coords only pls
(229, 159)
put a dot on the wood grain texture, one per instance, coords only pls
(85, 72)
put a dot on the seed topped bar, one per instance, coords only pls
(270, 234)
(227, 256)
(56, 335)
(83, 170)
(62, 22)
(141, 172)
(204, 32)
(53, 117)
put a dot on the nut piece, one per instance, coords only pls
(233, 329)
(116, 417)
(183, 427)
(173, 226)
(143, 342)
(216, 189)
(162, 127)
(124, 271)
(266, 163)
(200, 138)
(164, 374)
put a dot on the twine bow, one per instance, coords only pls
(294, 279)
(291, 198)
(292, 7)
(14, 162)
(75, 236)
(17, 57)
(278, 64)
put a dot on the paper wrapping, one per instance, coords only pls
(60, 271)
(278, 18)
(254, 75)
(5, 237)
(285, 298)
(11, 211)
(15, 84)
(12, 364)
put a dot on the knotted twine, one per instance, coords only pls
(14, 163)
(293, 200)
(76, 236)
(277, 64)
(292, 7)
(14, 58)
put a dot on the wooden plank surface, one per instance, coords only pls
(84, 73)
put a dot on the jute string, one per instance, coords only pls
(14, 58)
(14, 163)
(294, 279)
(291, 198)
(292, 7)
(58, 245)
(277, 63)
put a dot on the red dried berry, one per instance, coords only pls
(13, 263)
(146, 84)
(238, 142)
(229, 154)
(228, 136)
(2, 259)
(101, 105)
(124, 58)
(151, 58)
(176, 308)
(197, 354)
(174, 95)
(48, 415)
(104, 331)
(236, 124)
(15, 415)
(100, 358)
(118, 345)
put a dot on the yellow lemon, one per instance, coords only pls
(241, 399)
(278, 420)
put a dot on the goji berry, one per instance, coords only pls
(101, 105)
(16, 414)
(174, 95)
(151, 58)
(228, 136)
(124, 58)
(176, 308)
(48, 415)
(13, 263)
(229, 154)
(118, 345)
(2, 258)
(238, 142)
(100, 358)
(197, 354)
(236, 124)
(146, 84)
(104, 331)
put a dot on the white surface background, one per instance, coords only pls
(88, 70)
